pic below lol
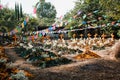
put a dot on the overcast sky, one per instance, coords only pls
(62, 6)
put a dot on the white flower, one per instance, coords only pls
(33, 50)
(60, 52)
(24, 46)
(30, 46)
(54, 44)
(59, 45)
(19, 76)
(27, 48)
(94, 44)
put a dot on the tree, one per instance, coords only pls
(111, 8)
(18, 11)
(7, 19)
(96, 13)
(21, 12)
(46, 12)
(10, 18)
(31, 25)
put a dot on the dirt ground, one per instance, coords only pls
(104, 68)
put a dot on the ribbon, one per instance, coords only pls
(96, 11)
(43, 33)
(25, 22)
(84, 16)
(1, 6)
(22, 25)
(40, 35)
(50, 28)
(70, 19)
(79, 12)
(27, 19)
(24, 38)
(34, 10)
(53, 28)
(84, 22)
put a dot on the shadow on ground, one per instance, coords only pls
(96, 70)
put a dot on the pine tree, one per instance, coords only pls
(21, 14)
(18, 15)
(16, 10)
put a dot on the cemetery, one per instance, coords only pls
(82, 45)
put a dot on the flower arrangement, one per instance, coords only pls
(10, 72)
(19, 76)
(41, 57)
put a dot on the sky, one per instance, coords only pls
(62, 6)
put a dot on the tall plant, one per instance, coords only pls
(46, 12)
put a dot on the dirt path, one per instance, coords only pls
(90, 69)
(18, 61)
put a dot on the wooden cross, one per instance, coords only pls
(8, 33)
(95, 36)
(112, 36)
(89, 35)
(48, 37)
(61, 36)
(103, 37)
(15, 38)
(32, 38)
(81, 35)
(74, 35)
(42, 38)
(87, 49)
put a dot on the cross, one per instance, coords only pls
(95, 36)
(48, 37)
(103, 37)
(42, 38)
(74, 35)
(8, 33)
(87, 49)
(32, 38)
(81, 35)
(61, 36)
(15, 38)
(89, 35)
(112, 36)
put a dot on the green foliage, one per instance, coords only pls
(118, 33)
(43, 58)
(10, 18)
(7, 19)
(18, 11)
(107, 30)
(3, 29)
(46, 21)
(21, 13)
(72, 25)
(31, 25)
(111, 8)
(46, 12)
(95, 13)
(19, 76)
